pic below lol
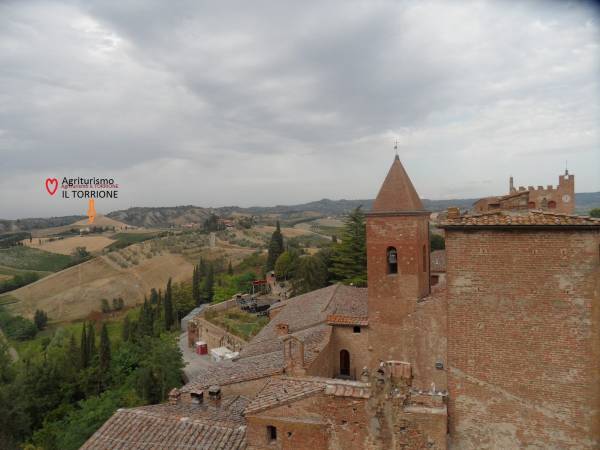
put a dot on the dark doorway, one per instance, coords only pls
(345, 363)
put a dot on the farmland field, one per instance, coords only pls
(66, 246)
(22, 257)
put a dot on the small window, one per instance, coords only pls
(271, 433)
(392, 260)
(551, 204)
(356, 329)
(531, 205)
(197, 397)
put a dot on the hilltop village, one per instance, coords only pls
(493, 345)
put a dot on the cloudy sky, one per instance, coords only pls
(263, 103)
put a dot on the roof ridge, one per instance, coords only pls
(337, 286)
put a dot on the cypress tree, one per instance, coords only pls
(349, 259)
(104, 353)
(84, 348)
(153, 296)
(91, 342)
(275, 247)
(230, 269)
(196, 285)
(209, 284)
(126, 331)
(74, 354)
(168, 306)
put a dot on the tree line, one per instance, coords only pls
(57, 396)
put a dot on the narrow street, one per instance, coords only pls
(194, 363)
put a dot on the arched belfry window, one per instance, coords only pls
(392, 260)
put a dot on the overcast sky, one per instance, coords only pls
(262, 103)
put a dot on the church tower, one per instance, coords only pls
(397, 265)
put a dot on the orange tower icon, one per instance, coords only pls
(91, 211)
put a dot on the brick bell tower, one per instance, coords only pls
(397, 266)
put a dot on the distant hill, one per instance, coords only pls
(159, 217)
(37, 223)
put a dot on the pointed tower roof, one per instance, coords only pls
(397, 194)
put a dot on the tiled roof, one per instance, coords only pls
(244, 369)
(174, 426)
(284, 390)
(306, 311)
(341, 320)
(512, 219)
(438, 261)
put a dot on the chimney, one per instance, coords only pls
(453, 212)
(214, 394)
(282, 329)
(174, 395)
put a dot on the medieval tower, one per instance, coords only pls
(398, 265)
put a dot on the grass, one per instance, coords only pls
(26, 258)
(240, 323)
(123, 240)
(5, 270)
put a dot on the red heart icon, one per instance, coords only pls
(51, 185)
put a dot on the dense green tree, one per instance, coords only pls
(311, 274)
(437, 242)
(286, 264)
(595, 212)
(275, 248)
(349, 259)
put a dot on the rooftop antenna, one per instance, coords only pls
(566, 167)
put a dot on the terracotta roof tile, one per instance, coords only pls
(512, 219)
(179, 426)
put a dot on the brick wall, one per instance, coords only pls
(357, 344)
(523, 342)
(200, 329)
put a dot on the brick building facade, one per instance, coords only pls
(502, 353)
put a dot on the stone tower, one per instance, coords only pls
(397, 265)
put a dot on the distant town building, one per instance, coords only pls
(559, 199)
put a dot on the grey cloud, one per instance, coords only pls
(318, 89)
